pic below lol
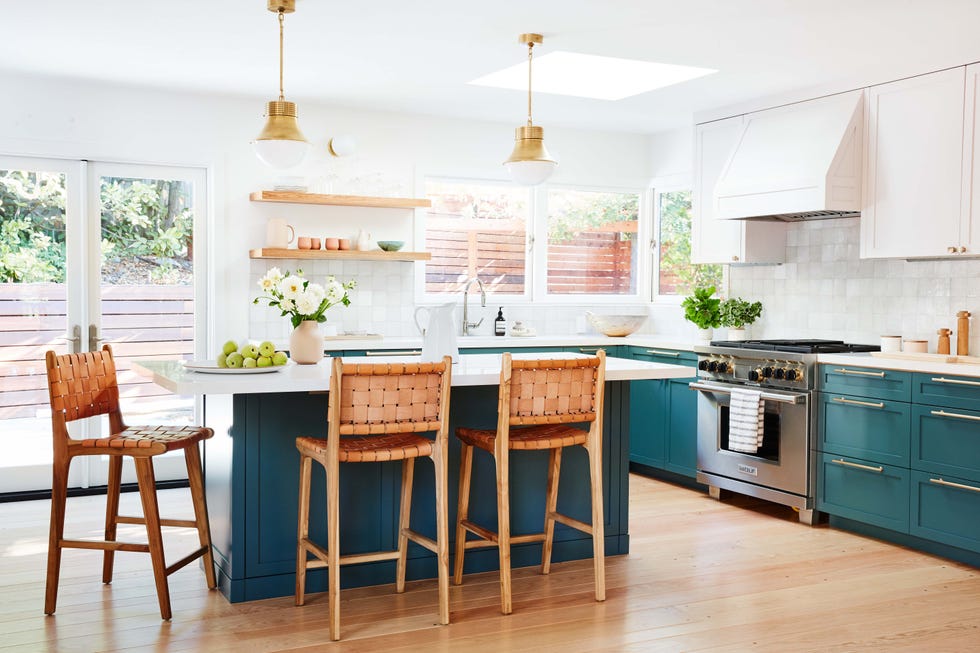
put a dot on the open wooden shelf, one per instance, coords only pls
(339, 200)
(350, 255)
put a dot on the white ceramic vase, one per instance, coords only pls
(736, 334)
(705, 334)
(306, 343)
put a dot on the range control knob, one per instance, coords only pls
(713, 366)
(767, 371)
(755, 375)
(779, 373)
(790, 375)
(703, 365)
(726, 368)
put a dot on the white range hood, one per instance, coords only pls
(798, 162)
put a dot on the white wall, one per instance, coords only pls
(71, 119)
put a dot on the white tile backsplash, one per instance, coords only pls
(824, 290)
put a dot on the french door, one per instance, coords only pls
(93, 253)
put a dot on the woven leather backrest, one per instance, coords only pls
(553, 391)
(391, 397)
(82, 385)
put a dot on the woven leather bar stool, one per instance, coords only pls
(85, 385)
(539, 401)
(377, 412)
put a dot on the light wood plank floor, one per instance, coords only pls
(702, 576)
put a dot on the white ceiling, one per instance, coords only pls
(416, 56)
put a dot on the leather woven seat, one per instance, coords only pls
(377, 412)
(539, 401)
(85, 385)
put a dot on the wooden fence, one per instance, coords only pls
(138, 321)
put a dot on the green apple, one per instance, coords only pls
(248, 361)
(222, 360)
(230, 347)
(267, 349)
(279, 358)
(234, 360)
(249, 351)
(263, 361)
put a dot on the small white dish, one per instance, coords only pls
(211, 367)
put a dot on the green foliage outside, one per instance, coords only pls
(572, 212)
(675, 247)
(702, 308)
(146, 219)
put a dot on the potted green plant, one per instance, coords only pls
(736, 314)
(704, 310)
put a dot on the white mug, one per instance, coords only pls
(278, 234)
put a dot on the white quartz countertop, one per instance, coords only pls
(472, 370)
(511, 342)
(931, 367)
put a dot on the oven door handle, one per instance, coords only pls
(766, 396)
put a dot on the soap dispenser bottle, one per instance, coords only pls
(500, 324)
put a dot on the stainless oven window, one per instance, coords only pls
(770, 433)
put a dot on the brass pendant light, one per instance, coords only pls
(530, 163)
(281, 144)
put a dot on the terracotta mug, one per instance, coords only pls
(314, 243)
(303, 242)
(343, 243)
(331, 243)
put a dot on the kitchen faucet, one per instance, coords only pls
(467, 325)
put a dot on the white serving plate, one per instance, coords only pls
(211, 367)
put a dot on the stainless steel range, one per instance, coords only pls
(784, 371)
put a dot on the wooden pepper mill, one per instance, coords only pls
(943, 347)
(963, 333)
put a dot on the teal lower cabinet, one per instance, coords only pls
(946, 509)
(864, 491)
(663, 417)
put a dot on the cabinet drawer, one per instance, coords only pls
(872, 429)
(662, 355)
(945, 509)
(864, 491)
(946, 441)
(947, 390)
(865, 382)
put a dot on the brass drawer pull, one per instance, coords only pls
(844, 370)
(869, 468)
(589, 350)
(406, 352)
(939, 481)
(939, 379)
(660, 352)
(854, 402)
(943, 413)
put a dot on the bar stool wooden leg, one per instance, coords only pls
(462, 509)
(598, 522)
(303, 530)
(442, 530)
(59, 495)
(333, 545)
(551, 506)
(192, 456)
(404, 521)
(503, 527)
(111, 513)
(151, 513)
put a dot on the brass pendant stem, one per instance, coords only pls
(282, 22)
(530, 54)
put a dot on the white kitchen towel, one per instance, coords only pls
(745, 421)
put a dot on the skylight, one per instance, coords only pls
(591, 76)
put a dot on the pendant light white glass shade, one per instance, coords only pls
(281, 154)
(530, 163)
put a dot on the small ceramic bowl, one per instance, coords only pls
(391, 245)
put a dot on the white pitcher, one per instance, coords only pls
(278, 234)
(364, 242)
(439, 332)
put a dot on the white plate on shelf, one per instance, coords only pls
(211, 367)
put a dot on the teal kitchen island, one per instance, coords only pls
(251, 469)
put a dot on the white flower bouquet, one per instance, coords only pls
(300, 299)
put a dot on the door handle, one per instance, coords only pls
(74, 340)
(93, 337)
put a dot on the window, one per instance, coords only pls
(476, 229)
(677, 275)
(592, 242)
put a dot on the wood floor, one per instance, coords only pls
(702, 576)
